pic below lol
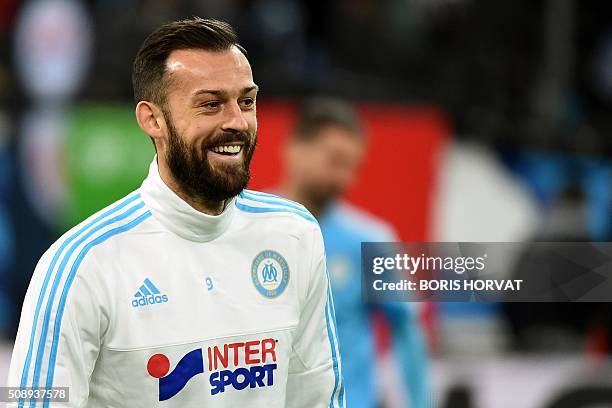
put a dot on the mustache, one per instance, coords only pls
(229, 137)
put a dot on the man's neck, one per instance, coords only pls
(202, 205)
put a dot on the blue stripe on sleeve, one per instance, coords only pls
(54, 287)
(330, 336)
(43, 290)
(62, 303)
(330, 301)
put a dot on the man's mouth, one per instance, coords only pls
(227, 149)
(227, 153)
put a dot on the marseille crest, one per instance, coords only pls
(270, 273)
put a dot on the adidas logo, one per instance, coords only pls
(148, 294)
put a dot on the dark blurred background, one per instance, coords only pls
(523, 90)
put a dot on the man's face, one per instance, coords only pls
(325, 166)
(211, 120)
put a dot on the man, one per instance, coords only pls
(191, 291)
(321, 160)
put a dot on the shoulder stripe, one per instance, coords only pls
(251, 209)
(58, 317)
(117, 207)
(56, 282)
(270, 199)
(277, 197)
(261, 193)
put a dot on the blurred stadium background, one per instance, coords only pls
(488, 121)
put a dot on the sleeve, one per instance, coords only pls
(60, 330)
(315, 368)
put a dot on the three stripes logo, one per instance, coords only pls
(148, 294)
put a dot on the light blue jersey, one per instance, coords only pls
(344, 228)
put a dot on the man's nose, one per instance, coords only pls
(234, 119)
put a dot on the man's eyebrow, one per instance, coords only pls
(218, 92)
(208, 91)
(250, 88)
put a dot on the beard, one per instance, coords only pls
(193, 172)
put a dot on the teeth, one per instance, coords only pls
(227, 149)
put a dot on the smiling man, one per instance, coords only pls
(191, 291)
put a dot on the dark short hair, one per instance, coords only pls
(319, 112)
(148, 75)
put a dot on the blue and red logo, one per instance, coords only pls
(237, 365)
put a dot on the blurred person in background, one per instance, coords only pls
(321, 162)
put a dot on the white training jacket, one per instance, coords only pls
(150, 303)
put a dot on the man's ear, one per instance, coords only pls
(151, 120)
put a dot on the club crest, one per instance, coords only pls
(270, 273)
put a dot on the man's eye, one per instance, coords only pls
(210, 105)
(247, 102)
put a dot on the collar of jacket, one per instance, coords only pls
(178, 216)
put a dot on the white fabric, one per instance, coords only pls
(202, 266)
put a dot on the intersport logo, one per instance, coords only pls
(235, 366)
